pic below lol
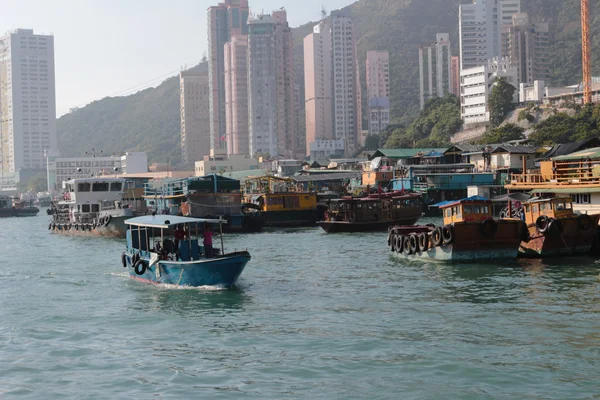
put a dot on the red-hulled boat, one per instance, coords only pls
(373, 213)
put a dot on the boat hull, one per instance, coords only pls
(19, 212)
(372, 226)
(573, 240)
(116, 228)
(219, 271)
(290, 218)
(469, 245)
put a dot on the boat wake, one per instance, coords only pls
(205, 288)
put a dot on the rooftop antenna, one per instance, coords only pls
(323, 11)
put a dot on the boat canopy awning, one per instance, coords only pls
(168, 221)
(594, 189)
(448, 202)
(517, 196)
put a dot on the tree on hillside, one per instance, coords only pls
(500, 101)
(502, 134)
(563, 128)
(372, 142)
(398, 139)
(437, 122)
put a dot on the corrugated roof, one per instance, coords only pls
(593, 153)
(562, 149)
(515, 149)
(327, 177)
(406, 153)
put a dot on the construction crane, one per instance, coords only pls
(586, 52)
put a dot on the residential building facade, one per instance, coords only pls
(378, 90)
(195, 117)
(455, 76)
(480, 28)
(219, 163)
(345, 80)
(476, 85)
(526, 45)
(262, 82)
(225, 20)
(436, 59)
(236, 95)
(318, 85)
(27, 102)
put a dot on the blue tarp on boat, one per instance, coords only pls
(472, 198)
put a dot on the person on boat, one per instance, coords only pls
(179, 234)
(208, 244)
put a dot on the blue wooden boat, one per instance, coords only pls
(153, 254)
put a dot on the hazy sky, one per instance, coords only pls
(115, 47)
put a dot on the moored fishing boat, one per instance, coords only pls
(282, 201)
(211, 196)
(556, 230)
(91, 207)
(469, 233)
(372, 213)
(153, 256)
(10, 207)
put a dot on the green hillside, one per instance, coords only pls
(149, 120)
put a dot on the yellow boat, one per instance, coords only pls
(282, 201)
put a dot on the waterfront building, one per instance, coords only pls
(480, 28)
(318, 85)
(326, 148)
(476, 85)
(195, 118)
(526, 45)
(218, 162)
(236, 95)
(436, 60)
(27, 103)
(225, 20)
(378, 90)
(60, 169)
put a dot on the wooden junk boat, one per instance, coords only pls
(556, 230)
(372, 213)
(469, 233)
(282, 201)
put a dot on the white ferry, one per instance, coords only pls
(91, 207)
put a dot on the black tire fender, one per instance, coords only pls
(124, 259)
(447, 235)
(406, 247)
(139, 267)
(107, 220)
(423, 241)
(542, 223)
(399, 243)
(488, 228)
(414, 244)
(436, 237)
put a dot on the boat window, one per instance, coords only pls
(484, 210)
(100, 187)
(79, 207)
(459, 212)
(544, 206)
(85, 208)
(560, 205)
(291, 201)
(115, 186)
(448, 212)
(275, 201)
(476, 210)
(95, 208)
(83, 187)
(535, 208)
(468, 210)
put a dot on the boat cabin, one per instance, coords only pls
(92, 195)
(372, 209)
(470, 209)
(170, 237)
(271, 193)
(557, 208)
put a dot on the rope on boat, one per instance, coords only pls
(180, 276)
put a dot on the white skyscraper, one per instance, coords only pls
(480, 26)
(27, 102)
(345, 93)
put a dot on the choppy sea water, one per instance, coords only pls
(313, 316)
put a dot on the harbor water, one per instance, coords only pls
(313, 316)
